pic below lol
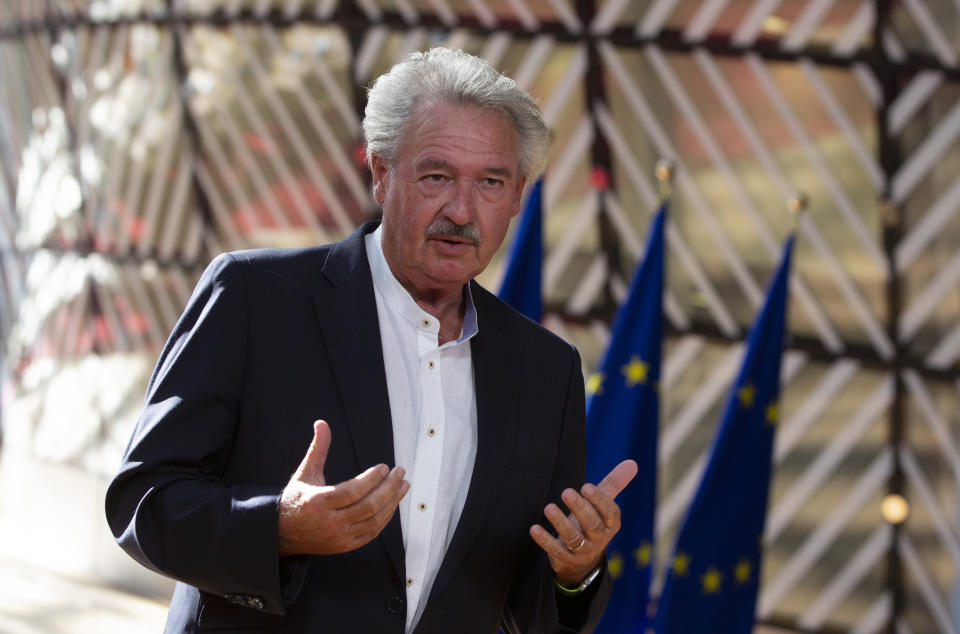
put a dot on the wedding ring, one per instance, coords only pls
(578, 545)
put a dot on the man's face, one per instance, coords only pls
(449, 196)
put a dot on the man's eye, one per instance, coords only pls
(436, 178)
(492, 182)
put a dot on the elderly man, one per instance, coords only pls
(436, 399)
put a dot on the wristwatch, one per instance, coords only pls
(570, 592)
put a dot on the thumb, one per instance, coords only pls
(618, 478)
(311, 467)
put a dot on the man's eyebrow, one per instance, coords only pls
(431, 163)
(499, 171)
(434, 164)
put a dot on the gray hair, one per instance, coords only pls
(459, 78)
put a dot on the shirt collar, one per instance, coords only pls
(399, 300)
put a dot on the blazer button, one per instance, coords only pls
(396, 605)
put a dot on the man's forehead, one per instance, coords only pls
(428, 116)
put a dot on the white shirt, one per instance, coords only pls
(433, 407)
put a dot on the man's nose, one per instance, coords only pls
(461, 206)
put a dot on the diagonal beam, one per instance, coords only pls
(931, 416)
(943, 285)
(829, 458)
(722, 164)
(752, 24)
(797, 130)
(914, 96)
(925, 584)
(876, 616)
(655, 17)
(718, 311)
(826, 532)
(792, 430)
(699, 26)
(921, 486)
(940, 140)
(942, 46)
(863, 562)
(803, 27)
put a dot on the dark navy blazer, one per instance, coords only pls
(272, 340)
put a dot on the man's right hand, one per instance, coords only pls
(318, 519)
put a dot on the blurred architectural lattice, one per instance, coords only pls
(139, 138)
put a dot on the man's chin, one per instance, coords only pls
(447, 272)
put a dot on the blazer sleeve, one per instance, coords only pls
(533, 603)
(169, 506)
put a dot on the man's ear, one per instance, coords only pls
(519, 197)
(379, 169)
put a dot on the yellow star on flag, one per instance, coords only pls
(745, 394)
(642, 554)
(772, 413)
(711, 581)
(743, 571)
(635, 371)
(681, 564)
(595, 383)
(615, 565)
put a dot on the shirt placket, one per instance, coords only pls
(428, 452)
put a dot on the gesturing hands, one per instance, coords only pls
(319, 519)
(582, 537)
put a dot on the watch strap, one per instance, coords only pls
(572, 592)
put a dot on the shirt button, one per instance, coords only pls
(431, 432)
(409, 581)
(426, 323)
(423, 507)
(430, 364)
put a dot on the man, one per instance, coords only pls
(448, 404)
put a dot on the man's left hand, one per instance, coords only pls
(582, 536)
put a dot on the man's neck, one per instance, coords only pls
(445, 301)
(447, 307)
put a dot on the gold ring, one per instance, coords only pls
(578, 545)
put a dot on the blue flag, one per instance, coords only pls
(622, 422)
(521, 284)
(715, 570)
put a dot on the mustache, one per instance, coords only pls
(443, 227)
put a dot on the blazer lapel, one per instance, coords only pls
(347, 312)
(496, 372)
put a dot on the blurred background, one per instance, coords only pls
(140, 138)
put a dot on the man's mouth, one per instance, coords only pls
(453, 240)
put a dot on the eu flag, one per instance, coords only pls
(622, 422)
(715, 570)
(521, 284)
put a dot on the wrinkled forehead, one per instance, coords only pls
(425, 113)
(484, 130)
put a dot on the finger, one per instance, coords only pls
(311, 467)
(350, 492)
(550, 544)
(587, 516)
(370, 527)
(379, 496)
(568, 531)
(603, 505)
(618, 478)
